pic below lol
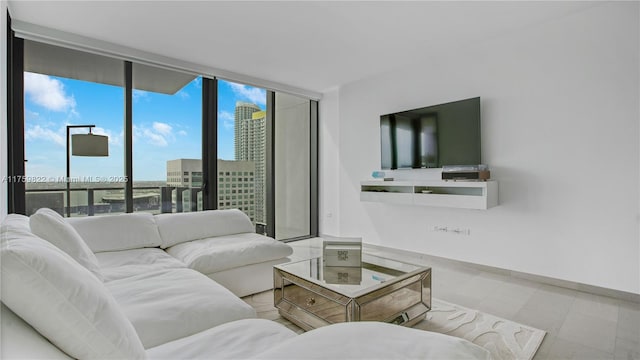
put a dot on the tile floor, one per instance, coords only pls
(579, 325)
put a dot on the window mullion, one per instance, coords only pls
(128, 136)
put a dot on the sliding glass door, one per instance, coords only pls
(292, 166)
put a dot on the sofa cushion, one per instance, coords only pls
(16, 223)
(51, 226)
(227, 252)
(240, 339)
(256, 278)
(21, 341)
(126, 263)
(117, 232)
(171, 304)
(63, 301)
(178, 228)
(374, 340)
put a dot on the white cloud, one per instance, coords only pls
(183, 94)
(227, 119)
(225, 115)
(182, 133)
(48, 92)
(30, 115)
(198, 82)
(159, 134)
(139, 94)
(162, 128)
(155, 138)
(40, 133)
(101, 131)
(253, 94)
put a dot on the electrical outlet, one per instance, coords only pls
(452, 230)
(461, 231)
(440, 228)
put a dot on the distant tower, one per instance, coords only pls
(244, 112)
(250, 145)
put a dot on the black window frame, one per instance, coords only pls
(16, 143)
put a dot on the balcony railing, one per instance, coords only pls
(107, 200)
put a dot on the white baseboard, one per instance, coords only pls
(420, 257)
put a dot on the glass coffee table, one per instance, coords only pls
(311, 294)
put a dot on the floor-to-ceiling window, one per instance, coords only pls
(241, 163)
(166, 148)
(67, 88)
(167, 140)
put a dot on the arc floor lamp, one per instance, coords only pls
(83, 145)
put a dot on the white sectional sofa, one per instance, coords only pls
(142, 286)
(221, 244)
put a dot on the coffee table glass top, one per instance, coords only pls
(350, 281)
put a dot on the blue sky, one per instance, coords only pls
(166, 127)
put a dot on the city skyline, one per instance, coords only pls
(165, 126)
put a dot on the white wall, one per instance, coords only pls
(329, 163)
(3, 109)
(560, 118)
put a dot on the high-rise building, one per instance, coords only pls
(250, 145)
(184, 173)
(236, 186)
(244, 111)
(236, 182)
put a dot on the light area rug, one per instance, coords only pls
(504, 339)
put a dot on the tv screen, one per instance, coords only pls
(431, 137)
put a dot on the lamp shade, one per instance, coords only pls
(89, 145)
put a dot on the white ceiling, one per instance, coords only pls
(315, 46)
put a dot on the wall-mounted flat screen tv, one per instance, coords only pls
(433, 136)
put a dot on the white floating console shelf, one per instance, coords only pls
(455, 194)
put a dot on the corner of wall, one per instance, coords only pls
(329, 143)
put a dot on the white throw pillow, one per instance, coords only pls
(63, 301)
(51, 226)
(117, 232)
